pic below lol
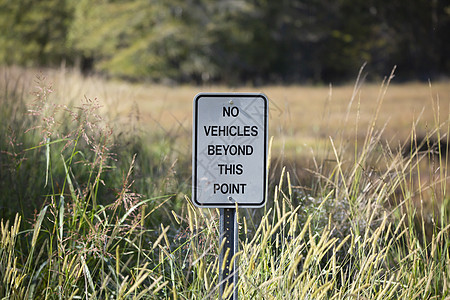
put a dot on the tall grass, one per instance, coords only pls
(109, 221)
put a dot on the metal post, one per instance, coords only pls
(229, 231)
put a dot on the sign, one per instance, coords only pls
(229, 154)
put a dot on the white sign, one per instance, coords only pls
(229, 154)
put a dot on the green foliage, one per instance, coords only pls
(34, 32)
(234, 42)
(135, 40)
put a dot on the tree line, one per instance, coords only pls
(235, 41)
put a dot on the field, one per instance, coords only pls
(95, 182)
(299, 115)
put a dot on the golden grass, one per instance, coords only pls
(302, 118)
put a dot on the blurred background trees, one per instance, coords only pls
(234, 42)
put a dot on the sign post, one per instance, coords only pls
(229, 164)
(228, 273)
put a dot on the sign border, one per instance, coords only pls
(195, 154)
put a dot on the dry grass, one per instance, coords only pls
(297, 113)
(357, 232)
(302, 118)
